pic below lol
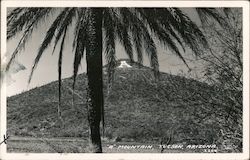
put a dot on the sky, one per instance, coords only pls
(46, 70)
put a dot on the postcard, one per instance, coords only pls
(124, 80)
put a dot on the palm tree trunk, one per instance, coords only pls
(95, 83)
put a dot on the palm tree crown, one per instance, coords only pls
(132, 26)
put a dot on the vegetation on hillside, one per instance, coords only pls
(136, 109)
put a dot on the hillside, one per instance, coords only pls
(137, 109)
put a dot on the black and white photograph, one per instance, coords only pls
(125, 77)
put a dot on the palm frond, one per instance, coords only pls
(29, 25)
(79, 52)
(164, 23)
(18, 20)
(51, 31)
(149, 46)
(79, 13)
(47, 40)
(82, 16)
(123, 35)
(187, 29)
(173, 35)
(67, 20)
(14, 14)
(126, 41)
(138, 47)
(20, 46)
(80, 43)
(136, 25)
(60, 72)
(138, 44)
(208, 14)
(110, 38)
(136, 30)
(152, 53)
(161, 33)
(21, 19)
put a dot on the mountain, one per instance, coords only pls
(137, 108)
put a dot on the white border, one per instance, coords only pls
(89, 156)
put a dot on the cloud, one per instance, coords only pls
(15, 67)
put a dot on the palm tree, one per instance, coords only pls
(135, 28)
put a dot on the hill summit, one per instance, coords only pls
(124, 64)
